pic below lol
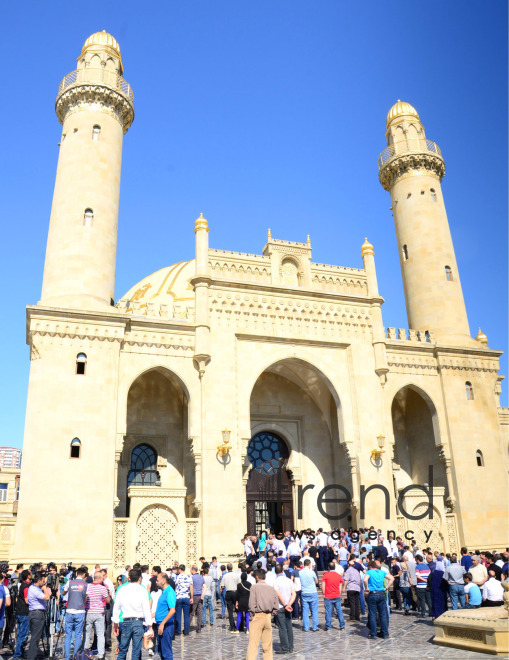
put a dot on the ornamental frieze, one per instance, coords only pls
(86, 94)
(410, 163)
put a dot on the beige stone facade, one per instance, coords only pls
(9, 491)
(286, 359)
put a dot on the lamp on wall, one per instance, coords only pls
(376, 454)
(223, 449)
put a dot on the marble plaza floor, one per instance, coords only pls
(410, 637)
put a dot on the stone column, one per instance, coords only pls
(447, 461)
(381, 367)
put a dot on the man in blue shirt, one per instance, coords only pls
(466, 560)
(473, 595)
(164, 616)
(376, 591)
(309, 594)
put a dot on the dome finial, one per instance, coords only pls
(367, 248)
(481, 337)
(201, 223)
(399, 109)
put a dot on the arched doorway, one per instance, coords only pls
(416, 450)
(269, 488)
(294, 400)
(156, 452)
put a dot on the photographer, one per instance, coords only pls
(22, 612)
(38, 595)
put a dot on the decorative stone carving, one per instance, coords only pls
(115, 102)
(119, 543)
(191, 541)
(399, 166)
(156, 528)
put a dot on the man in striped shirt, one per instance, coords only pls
(97, 597)
(422, 572)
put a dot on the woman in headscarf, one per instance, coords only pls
(439, 589)
(242, 603)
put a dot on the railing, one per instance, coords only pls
(89, 75)
(402, 148)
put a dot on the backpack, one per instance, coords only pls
(83, 655)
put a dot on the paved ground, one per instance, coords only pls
(410, 637)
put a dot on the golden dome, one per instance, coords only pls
(169, 287)
(367, 248)
(399, 109)
(201, 223)
(481, 337)
(103, 41)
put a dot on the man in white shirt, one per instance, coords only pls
(286, 596)
(133, 601)
(478, 571)
(294, 553)
(270, 577)
(306, 555)
(492, 592)
(145, 576)
(392, 546)
(248, 548)
(408, 555)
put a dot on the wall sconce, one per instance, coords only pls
(223, 449)
(376, 454)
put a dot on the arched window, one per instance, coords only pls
(81, 364)
(267, 452)
(95, 132)
(88, 218)
(143, 470)
(433, 195)
(404, 251)
(479, 458)
(448, 273)
(470, 390)
(76, 448)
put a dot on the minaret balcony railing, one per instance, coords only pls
(402, 148)
(101, 76)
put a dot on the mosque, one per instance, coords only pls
(237, 392)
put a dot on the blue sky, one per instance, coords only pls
(261, 114)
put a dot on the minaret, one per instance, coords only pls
(95, 106)
(411, 169)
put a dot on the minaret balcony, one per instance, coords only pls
(401, 148)
(100, 76)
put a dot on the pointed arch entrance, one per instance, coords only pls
(295, 401)
(269, 487)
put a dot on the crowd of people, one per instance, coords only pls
(275, 583)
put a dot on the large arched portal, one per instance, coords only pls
(155, 455)
(416, 450)
(297, 435)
